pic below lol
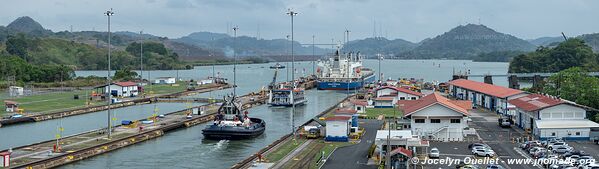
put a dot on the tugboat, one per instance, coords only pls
(286, 95)
(277, 66)
(229, 123)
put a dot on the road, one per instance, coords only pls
(355, 156)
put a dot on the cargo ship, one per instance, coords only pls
(343, 72)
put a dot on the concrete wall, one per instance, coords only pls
(562, 111)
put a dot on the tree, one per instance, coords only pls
(571, 53)
(576, 85)
(17, 45)
(125, 74)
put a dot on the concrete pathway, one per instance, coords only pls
(294, 153)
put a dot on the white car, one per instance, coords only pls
(552, 146)
(483, 152)
(562, 149)
(589, 166)
(434, 153)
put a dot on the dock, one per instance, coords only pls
(91, 109)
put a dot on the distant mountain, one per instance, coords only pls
(372, 46)
(26, 24)
(245, 45)
(592, 40)
(465, 42)
(546, 41)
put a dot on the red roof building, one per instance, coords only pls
(337, 118)
(412, 106)
(488, 89)
(125, 84)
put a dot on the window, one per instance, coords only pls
(455, 120)
(402, 98)
(553, 134)
(578, 133)
(413, 98)
(435, 120)
(419, 120)
(359, 108)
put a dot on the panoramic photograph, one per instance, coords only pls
(311, 84)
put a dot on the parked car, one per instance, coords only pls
(531, 151)
(434, 153)
(493, 166)
(477, 145)
(589, 166)
(483, 152)
(504, 122)
(552, 146)
(551, 140)
(562, 150)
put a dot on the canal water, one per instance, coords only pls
(187, 148)
(29, 133)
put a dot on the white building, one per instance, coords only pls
(165, 80)
(123, 89)
(403, 145)
(11, 106)
(360, 106)
(386, 96)
(436, 118)
(549, 117)
(484, 95)
(337, 128)
(15, 91)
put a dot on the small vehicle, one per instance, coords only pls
(188, 116)
(504, 122)
(531, 151)
(313, 133)
(477, 145)
(494, 166)
(562, 150)
(552, 146)
(589, 166)
(16, 116)
(434, 153)
(560, 166)
(161, 116)
(483, 152)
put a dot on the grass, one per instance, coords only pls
(284, 149)
(52, 101)
(165, 89)
(388, 112)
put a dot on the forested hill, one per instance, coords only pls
(379, 45)
(572, 53)
(465, 42)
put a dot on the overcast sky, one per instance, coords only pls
(412, 20)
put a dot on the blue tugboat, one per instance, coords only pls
(343, 72)
(231, 124)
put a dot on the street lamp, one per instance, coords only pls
(108, 14)
(313, 56)
(141, 56)
(235, 60)
(292, 13)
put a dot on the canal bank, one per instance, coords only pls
(92, 143)
(91, 109)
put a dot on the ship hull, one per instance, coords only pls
(215, 132)
(325, 85)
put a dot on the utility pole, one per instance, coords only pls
(141, 56)
(109, 92)
(313, 57)
(292, 13)
(235, 61)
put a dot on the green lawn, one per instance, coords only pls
(52, 101)
(284, 149)
(388, 112)
(165, 89)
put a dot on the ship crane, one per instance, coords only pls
(274, 80)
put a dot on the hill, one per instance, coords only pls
(246, 46)
(465, 42)
(372, 46)
(592, 40)
(546, 41)
(26, 24)
(571, 53)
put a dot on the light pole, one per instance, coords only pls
(313, 56)
(292, 13)
(108, 14)
(234, 60)
(141, 56)
(380, 57)
(287, 63)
